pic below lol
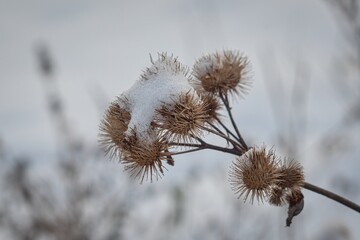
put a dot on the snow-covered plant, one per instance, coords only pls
(168, 111)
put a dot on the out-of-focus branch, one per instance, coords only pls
(332, 196)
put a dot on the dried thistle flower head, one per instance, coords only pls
(213, 107)
(144, 159)
(277, 196)
(113, 128)
(164, 64)
(254, 174)
(260, 174)
(291, 178)
(222, 73)
(129, 129)
(292, 175)
(165, 80)
(184, 117)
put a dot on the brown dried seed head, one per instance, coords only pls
(254, 174)
(165, 63)
(212, 107)
(291, 175)
(144, 160)
(113, 128)
(222, 73)
(183, 118)
(277, 196)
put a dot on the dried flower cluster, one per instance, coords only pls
(222, 73)
(168, 110)
(183, 118)
(260, 174)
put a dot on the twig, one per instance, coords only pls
(227, 130)
(233, 151)
(332, 196)
(219, 131)
(233, 142)
(182, 152)
(204, 145)
(225, 100)
(184, 144)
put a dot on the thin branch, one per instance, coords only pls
(227, 130)
(216, 133)
(204, 145)
(219, 130)
(228, 109)
(216, 128)
(182, 152)
(184, 144)
(234, 143)
(332, 196)
(233, 151)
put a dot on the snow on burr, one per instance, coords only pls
(164, 81)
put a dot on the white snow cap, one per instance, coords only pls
(164, 81)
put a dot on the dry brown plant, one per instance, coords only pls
(179, 122)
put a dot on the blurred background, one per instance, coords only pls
(62, 62)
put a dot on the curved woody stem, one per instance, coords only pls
(227, 130)
(228, 139)
(332, 196)
(225, 100)
(202, 146)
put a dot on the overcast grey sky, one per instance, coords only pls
(102, 47)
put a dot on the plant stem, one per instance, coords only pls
(182, 152)
(233, 142)
(204, 145)
(184, 144)
(227, 130)
(332, 196)
(217, 129)
(225, 100)
(233, 151)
